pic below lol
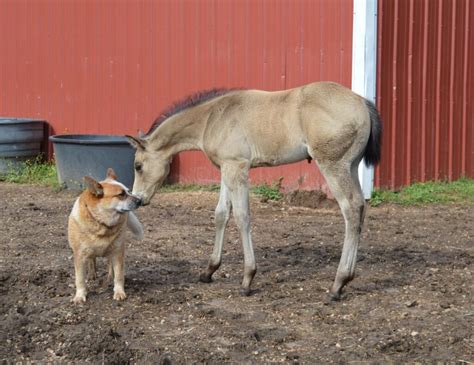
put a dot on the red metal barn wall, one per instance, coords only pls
(112, 66)
(425, 90)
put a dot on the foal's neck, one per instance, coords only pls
(180, 132)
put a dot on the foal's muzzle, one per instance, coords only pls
(138, 202)
(143, 204)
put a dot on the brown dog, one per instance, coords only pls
(96, 228)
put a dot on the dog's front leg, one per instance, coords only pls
(80, 268)
(118, 258)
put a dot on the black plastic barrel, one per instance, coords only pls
(20, 140)
(92, 154)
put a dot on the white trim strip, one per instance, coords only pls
(364, 68)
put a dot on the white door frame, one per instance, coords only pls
(364, 68)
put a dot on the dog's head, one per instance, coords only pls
(112, 195)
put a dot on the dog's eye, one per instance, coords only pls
(123, 194)
(138, 167)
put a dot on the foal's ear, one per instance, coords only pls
(94, 187)
(111, 174)
(138, 143)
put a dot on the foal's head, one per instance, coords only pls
(151, 169)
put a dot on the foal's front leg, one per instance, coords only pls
(223, 210)
(236, 178)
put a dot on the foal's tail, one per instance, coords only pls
(135, 226)
(372, 150)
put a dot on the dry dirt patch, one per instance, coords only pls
(411, 300)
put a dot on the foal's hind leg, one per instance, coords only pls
(344, 183)
(222, 215)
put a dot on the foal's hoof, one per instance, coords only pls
(205, 278)
(245, 292)
(335, 297)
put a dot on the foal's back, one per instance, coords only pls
(273, 128)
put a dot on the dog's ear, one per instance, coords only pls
(138, 143)
(94, 187)
(111, 174)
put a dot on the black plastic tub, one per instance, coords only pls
(20, 140)
(78, 155)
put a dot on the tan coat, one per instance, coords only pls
(97, 223)
(242, 129)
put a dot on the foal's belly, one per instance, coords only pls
(275, 157)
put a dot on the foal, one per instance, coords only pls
(241, 129)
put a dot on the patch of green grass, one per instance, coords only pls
(35, 171)
(174, 188)
(430, 192)
(269, 192)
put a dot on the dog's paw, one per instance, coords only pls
(79, 299)
(119, 295)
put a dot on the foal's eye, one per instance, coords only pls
(138, 167)
(123, 194)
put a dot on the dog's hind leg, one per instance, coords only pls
(110, 274)
(91, 269)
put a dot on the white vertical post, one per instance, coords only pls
(364, 68)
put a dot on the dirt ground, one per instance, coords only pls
(411, 300)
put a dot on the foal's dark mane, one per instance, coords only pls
(188, 102)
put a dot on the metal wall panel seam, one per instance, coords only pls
(451, 93)
(438, 92)
(409, 94)
(394, 100)
(423, 92)
(380, 37)
(464, 96)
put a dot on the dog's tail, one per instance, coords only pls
(135, 226)
(372, 150)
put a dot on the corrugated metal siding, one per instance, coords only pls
(426, 90)
(112, 66)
